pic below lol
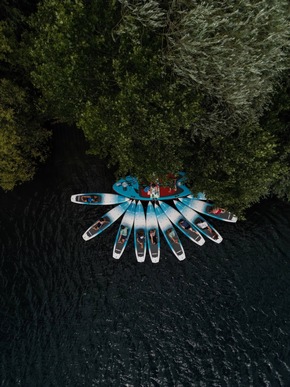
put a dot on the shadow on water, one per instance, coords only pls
(73, 316)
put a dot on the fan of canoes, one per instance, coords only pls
(145, 224)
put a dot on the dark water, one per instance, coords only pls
(73, 316)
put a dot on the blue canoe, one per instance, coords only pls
(140, 232)
(108, 218)
(206, 209)
(98, 199)
(167, 227)
(130, 187)
(177, 219)
(198, 222)
(152, 234)
(127, 224)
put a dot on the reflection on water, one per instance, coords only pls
(71, 315)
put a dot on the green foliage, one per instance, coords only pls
(277, 120)
(111, 79)
(160, 86)
(133, 125)
(238, 171)
(22, 141)
(4, 41)
(233, 51)
(71, 54)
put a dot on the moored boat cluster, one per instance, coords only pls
(158, 215)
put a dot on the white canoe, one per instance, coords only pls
(176, 218)
(152, 224)
(140, 232)
(166, 226)
(198, 196)
(205, 208)
(127, 222)
(194, 218)
(109, 218)
(97, 199)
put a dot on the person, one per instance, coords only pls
(154, 191)
(186, 226)
(89, 199)
(214, 235)
(140, 238)
(123, 234)
(172, 185)
(171, 180)
(203, 225)
(153, 237)
(147, 190)
(99, 224)
(215, 210)
(172, 235)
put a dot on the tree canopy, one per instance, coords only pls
(162, 86)
(23, 140)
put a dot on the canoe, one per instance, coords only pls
(166, 226)
(140, 233)
(177, 219)
(109, 218)
(206, 208)
(127, 222)
(97, 199)
(199, 196)
(198, 222)
(131, 188)
(152, 225)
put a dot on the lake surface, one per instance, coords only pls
(71, 315)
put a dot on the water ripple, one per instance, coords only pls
(73, 316)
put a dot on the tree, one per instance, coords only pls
(276, 120)
(239, 169)
(159, 86)
(71, 54)
(142, 124)
(23, 142)
(110, 79)
(234, 52)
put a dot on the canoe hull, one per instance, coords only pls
(110, 217)
(152, 224)
(100, 199)
(175, 217)
(130, 187)
(165, 225)
(204, 207)
(127, 221)
(194, 218)
(198, 196)
(140, 227)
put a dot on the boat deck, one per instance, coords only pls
(129, 187)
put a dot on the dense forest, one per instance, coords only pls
(156, 86)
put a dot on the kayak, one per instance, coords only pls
(97, 199)
(167, 228)
(140, 233)
(206, 208)
(198, 222)
(105, 221)
(152, 234)
(185, 227)
(125, 227)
